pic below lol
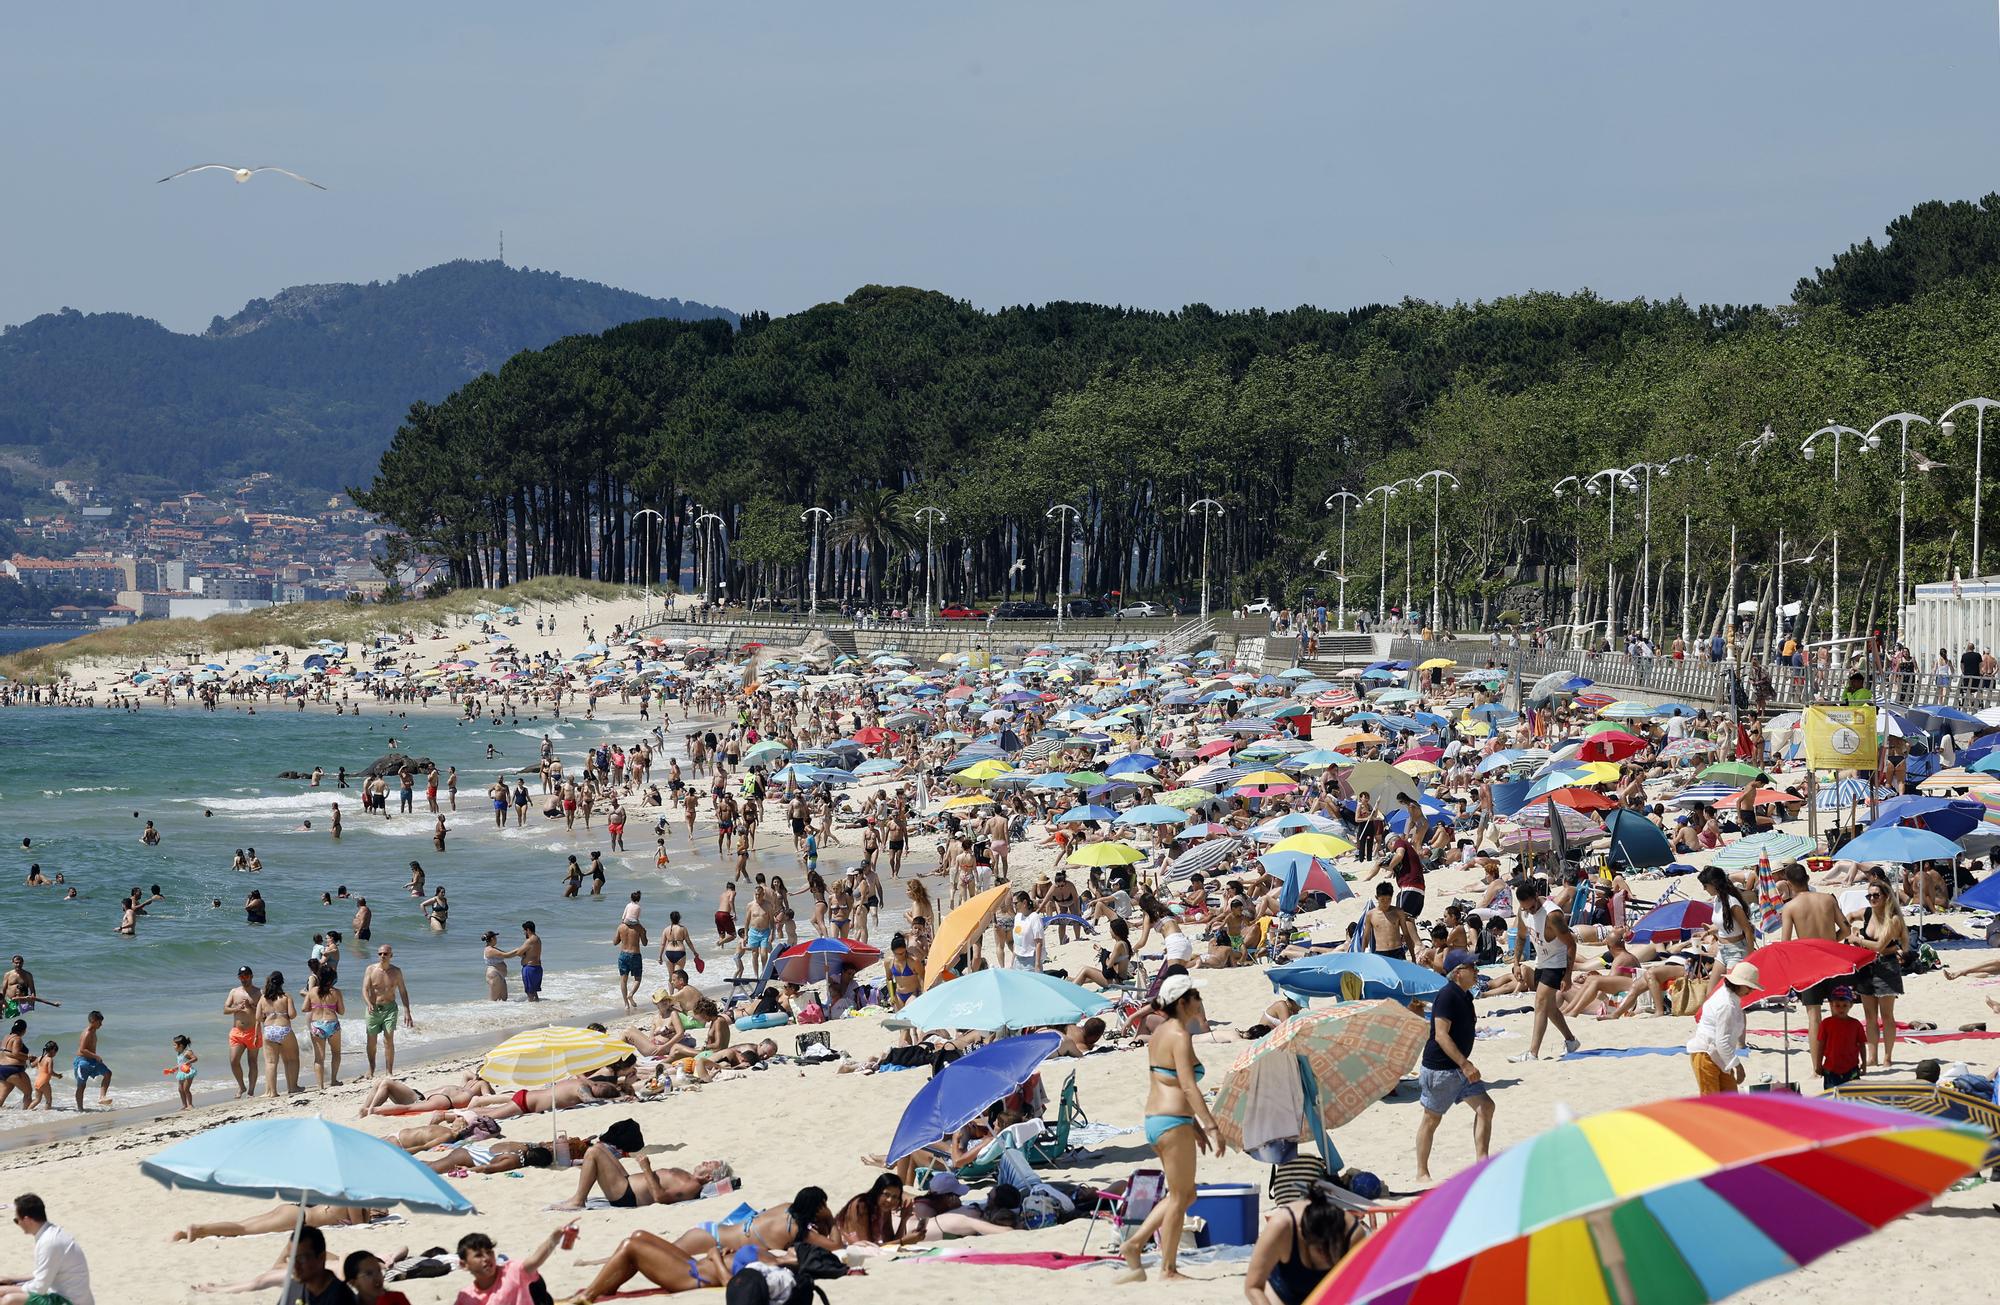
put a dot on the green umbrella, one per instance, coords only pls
(1731, 770)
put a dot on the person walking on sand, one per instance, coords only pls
(244, 1035)
(1446, 1074)
(1546, 932)
(382, 987)
(1178, 1124)
(1717, 1044)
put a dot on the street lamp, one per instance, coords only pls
(1807, 560)
(1611, 477)
(1063, 527)
(1902, 503)
(930, 516)
(1387, 492)
(1209, 509)
(644, 540)
(1648, 470)
(1437, 479)
(708, 553)
(815, 515)
(1868, 444)
(1343, 497)
(1978, 449)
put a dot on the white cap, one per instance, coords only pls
(1175, 988)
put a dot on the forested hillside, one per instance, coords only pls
(308, 384)
(899, 398)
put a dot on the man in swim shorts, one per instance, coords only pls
(631, 943)
(531, 961)
(382, 987)
(244, 1035)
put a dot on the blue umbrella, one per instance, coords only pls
(962, 1090)
(1982, 896)
(1088, 811)
(1899, 843)
(1003, 999)
(1153, 813)
(1356, 976)
(1849, 792)
(1950, 817)
(309, 1161)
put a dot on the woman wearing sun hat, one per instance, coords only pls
(1717, 1043)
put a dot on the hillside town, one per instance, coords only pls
(98, 559)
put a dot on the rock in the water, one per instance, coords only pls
(395, 763)
(293, 774)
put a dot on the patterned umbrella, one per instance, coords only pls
(1679, 748)
(1354, 1054)
(1777, 846)
(1676, 1201)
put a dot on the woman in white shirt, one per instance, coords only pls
(1718, 1035)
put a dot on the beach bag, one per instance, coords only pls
(624, 1135)
(1681, 998)
(812, 1013)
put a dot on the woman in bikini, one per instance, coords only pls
(784, 917)
(816, 889)
(394, 1097)
(1114, 967)
(676, 943)
(324, 1007)
(275, 1013)
(1178, 1124)
(699, 1260)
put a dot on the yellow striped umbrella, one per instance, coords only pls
(540, 1058)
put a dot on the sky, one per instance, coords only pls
(773, 156)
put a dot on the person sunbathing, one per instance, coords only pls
(280, 1219)
(566, 1093)
(493, 1158)
(1621, 972)
(281, 1270)
(699, 1258)
(703, 1066)
(392, 1096)
(449, 1129)
(600, 1168)
(1652, 981)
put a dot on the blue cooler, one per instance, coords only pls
(1228, 1212)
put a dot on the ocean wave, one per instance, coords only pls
(319, 801)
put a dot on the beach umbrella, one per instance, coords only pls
(1202, 857)
(961, 1091)
(310, 1161)
(958, 928)
(1299, 873)
(1682, 1201)
(1185, 799)
(1552, 684)
(539, 1058)
(1773, 844)
(1678, 748)
(1951, 817)
(1380, 781)
(1673, 921)
(1325, 847)
(1580, 799)
(1982, 896)
(1356, 976)
(1899, 843)
(1626, 710)
(1848, 793)
(874, 735)
(1086, 812)
(1107, 853)
(1785, 968)
(814, 960)
(1610, 745)
(1736, 770)
(990, 1000)
(1334, 1062)
(1153, 813)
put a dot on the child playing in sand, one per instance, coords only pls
(45, 1072)
(183, 1071)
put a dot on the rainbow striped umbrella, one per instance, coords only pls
(1671, 1203)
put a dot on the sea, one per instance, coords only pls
(18, 638)
(79, 784)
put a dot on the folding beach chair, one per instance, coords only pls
(1142, 1192)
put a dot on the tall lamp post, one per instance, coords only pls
(1946, 426)
(1343, 497)
(1903, 419)
(1438, 479)
(708, 553)
(1648, 470)
(1602, 482)
(931, 517)
(1064, 524)
(1387, 492)
(641, 514)
(1839, 435)
(815, 515)
(1209, 509)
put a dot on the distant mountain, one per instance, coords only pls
(309, 384)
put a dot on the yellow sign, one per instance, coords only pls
(1840, 738)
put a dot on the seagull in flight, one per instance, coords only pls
(242, 174)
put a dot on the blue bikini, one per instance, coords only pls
(1158, 1126)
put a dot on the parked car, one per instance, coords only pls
(1187, 607)
(960, 612)
(1141, 610)
(1025, 611)
(1260, 606)
(1081, 608)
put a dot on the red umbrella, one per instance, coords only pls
(1610, 745)
(875, 734)
(1215, 749)
(1789, 967)
(1579, 799)
(1422, 754)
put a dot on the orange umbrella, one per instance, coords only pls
(959, 928)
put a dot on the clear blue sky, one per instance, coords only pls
(773, 156)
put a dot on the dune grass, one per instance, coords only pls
(296, 624)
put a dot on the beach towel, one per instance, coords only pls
(1620, 1053)
(1023, 1259)
(1901, 1035)
(1092, 1134)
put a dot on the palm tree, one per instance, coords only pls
(878, 521)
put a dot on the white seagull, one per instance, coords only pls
(243, 174)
